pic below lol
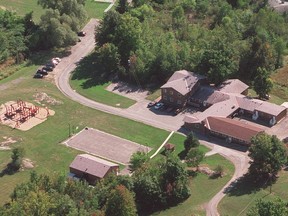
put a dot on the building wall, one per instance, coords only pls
(91, 179)
(267, 117)
(172, 97)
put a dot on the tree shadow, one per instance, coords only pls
(182, 154)
(91, 71)
(248, 184)
(42, 57)
(9, 170)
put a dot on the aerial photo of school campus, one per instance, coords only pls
(152, 107)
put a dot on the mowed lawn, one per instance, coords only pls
(42, 143)
(22, 7)
(241, 202)
(100, 94)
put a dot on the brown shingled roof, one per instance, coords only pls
(232, 128)
(233, 86)
(182, 81)
(270, 108)
(92, 165)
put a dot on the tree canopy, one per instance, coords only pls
(268, 155)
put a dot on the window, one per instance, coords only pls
(165, 97)
(171, 99)
(171, 92)
(165, 90)
(179, 102)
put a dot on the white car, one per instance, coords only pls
(56, 59)
(158, 106)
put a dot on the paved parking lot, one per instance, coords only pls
(105, 145)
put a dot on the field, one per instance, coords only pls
(22, 7)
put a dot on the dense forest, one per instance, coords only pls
(58, 27)
(147, 41)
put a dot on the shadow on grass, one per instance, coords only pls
(43, 57)
(9, 170)
(248, 184)
(89, 70)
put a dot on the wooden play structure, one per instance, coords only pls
(20, 112)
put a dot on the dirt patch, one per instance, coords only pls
(43, 99)
(10, 84)
(4, 145)
(23, 115)
(27, 164)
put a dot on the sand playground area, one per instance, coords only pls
(23, 115)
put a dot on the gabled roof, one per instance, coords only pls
(248, 104)
(92, 165)
(182, 81)
(270, 108)
(232, 128)
(209, 95)
(221, 109)
(233, 86)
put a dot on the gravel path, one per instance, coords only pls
(137, 113)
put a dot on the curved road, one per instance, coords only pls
(83, 48)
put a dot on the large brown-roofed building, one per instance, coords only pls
(181, 85)
(234, 86)
(232, 130)
(91, 168)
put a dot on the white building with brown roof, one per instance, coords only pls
(91, 168)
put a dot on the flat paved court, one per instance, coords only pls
(105, 145)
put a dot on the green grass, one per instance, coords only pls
(239, 204)
(202, 188)
(154, 95)
(22, 7)
(100, 94)
(41, 143)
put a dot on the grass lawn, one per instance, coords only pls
(202, 188)
(22, 7)
(100, 94)
(41, 143)
(238, 204)
(154, 95)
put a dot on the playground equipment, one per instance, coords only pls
(20, 112)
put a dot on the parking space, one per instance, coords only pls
(105, 145)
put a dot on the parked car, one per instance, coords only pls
(50, 64)
(81, 33)
(38, 76)
(57, 59)
(151, 104)
(159, 106)
(55, 62)
(47, 68)
(42, 71)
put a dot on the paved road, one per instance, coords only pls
(136, 112)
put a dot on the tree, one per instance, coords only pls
(262, 83)
(268, 155)
(17, 156)
(122, 6)
(194, 157)
(137, 160)
(190, 142)
(121, 202)
(271, 207)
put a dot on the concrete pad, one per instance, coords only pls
(105, 145)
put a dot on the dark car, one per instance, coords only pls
(81, 33)
(50, 64)
(47, 68)
(42, 71)
(38, 76)
(151, 104)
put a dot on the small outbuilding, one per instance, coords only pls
(91, 168)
